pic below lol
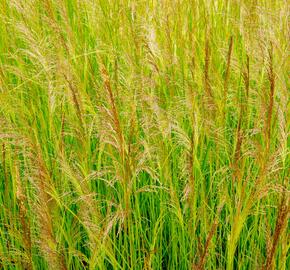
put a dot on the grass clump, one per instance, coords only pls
(144, 134)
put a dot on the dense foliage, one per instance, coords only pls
(144, 134)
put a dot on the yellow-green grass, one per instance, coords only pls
(144, 134)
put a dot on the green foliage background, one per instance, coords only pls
(144, 134)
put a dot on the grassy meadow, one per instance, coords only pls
(144, 135)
